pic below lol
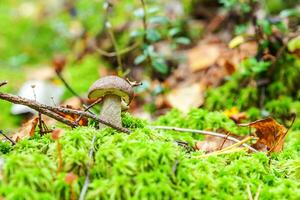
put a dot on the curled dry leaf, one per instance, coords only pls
(212, 143)
(270, 133)
(27, 130)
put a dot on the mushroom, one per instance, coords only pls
(114, 91)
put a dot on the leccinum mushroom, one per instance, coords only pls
(114, 90)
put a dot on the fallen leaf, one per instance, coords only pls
(74, 118)
(26, 130)
(270, 133)
(186, 98)
(203, 56)
(212, 143)
(234, 114)
(236, 41)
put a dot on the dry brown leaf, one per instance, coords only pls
(186, 98)
(270, 134)
(203, 56)
(211, 144)
(235, 114)
(26, 130)
(73, 117)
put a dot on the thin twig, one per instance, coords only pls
(115, 44)
(114, 54)
(87, 178)
(144, 20)
(53, 112)
(86, 109)
(204, 133)
(69, 87)
(3, 83)
(8, 138)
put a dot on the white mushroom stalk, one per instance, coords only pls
(115, 91)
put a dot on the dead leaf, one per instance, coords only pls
(26, 130)
(234, 114)
(186, 98)
(270, 133)
(74, 118)
(203, 56)
(212, 143)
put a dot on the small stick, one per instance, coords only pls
(87, 178)
(204, 133)
(8, 138)
(69, 87)
(3, 83)
(87, 108)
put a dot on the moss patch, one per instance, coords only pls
(148, 164)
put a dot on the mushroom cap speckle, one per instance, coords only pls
(111, 85)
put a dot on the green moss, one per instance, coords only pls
(5, 147)
(148, 164)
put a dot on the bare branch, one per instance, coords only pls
(54, 112)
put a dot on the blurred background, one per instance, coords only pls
(240, 57)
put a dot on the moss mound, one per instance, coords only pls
(148, 164)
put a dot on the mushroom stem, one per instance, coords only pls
(111, 111)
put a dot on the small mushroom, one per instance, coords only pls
(115, 91)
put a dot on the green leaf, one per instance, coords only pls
(153, 35)
(139, 13)
(137, 33)
(158, 20)
(173, 31)
(183, 40)
(141, 58)
(160, 65)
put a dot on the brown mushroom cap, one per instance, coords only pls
(111, 85)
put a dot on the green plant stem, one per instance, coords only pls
(118, 54)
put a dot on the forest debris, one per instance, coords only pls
(204, 132)
(211, 144)
(203, 56)
(26, 130)
(75, 118)
(186, 98)
(234, 114)
(270, 133)
(51, 111)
